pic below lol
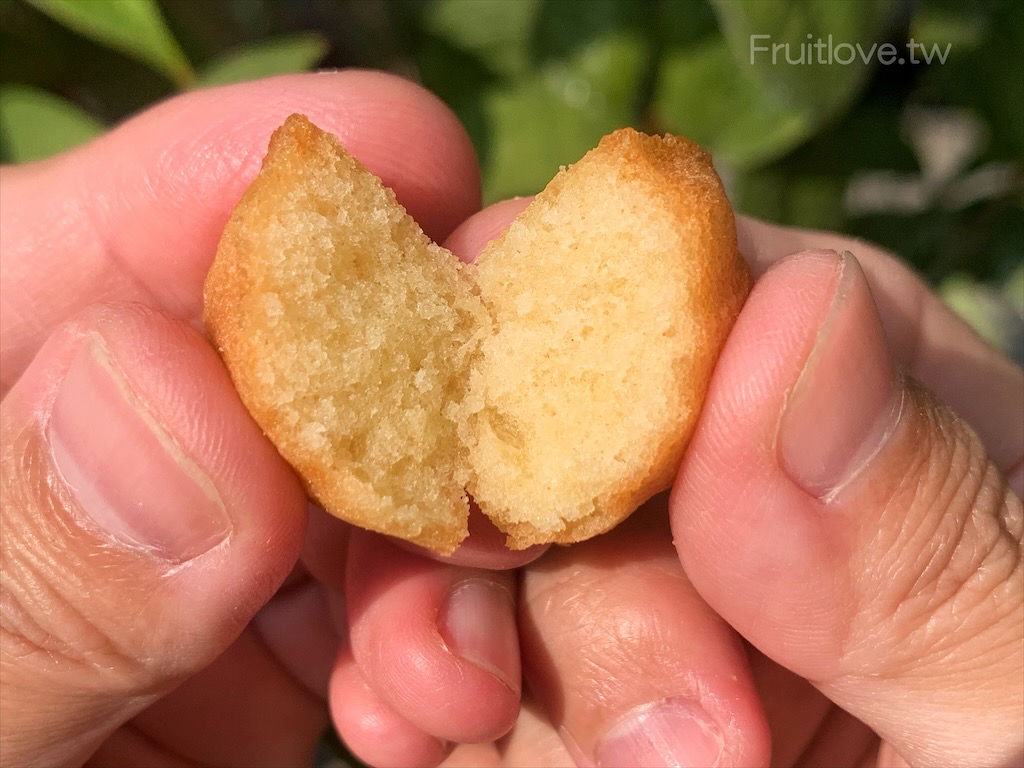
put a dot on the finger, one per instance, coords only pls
(370, 728)
(484, 755)
(852, 527)
(246, 708)
(298, 632)
(261, 703)
(793, 708)
(429, 636)
(474, 233)
(373, 731)
(533, 741)
(629, 663)
(928, 341)
(136, 215)
(146, 520)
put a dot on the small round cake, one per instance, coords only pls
(557, 380)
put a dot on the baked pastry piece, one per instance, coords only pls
(557, 379)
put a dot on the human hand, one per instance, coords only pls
(862, 537)
(147, 523)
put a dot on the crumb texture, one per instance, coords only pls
(557, 380)
(590, 382)
(346, 331)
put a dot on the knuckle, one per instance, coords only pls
(950, 535)
(47, 612)
(593, 624)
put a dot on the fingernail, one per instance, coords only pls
(123, 470)
(847, 398)
(478, 623)
(573, 748)
(674, 732)
(1015, 478)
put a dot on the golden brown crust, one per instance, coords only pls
(682, 174)
(683, 190)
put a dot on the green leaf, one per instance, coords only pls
(748, 106)
(536, 126)
(35, 124)
(786, 196)
(806, 188)
(986, 77)
(702, 93)
(987, 311)
(577, 90)
(282, 55)
(133, 27)
(533, 96)
(495, 31)
(1013, 290)
(811, 54)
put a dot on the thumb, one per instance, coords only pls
(145, 521)
(852, 527)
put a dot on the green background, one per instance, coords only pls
(926, 159)
(923, 158)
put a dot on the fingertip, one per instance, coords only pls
(629, 662)
(179, 386)
(176, 370)
(416, 657)
(474, 233)
(822, 508)
(371, 729)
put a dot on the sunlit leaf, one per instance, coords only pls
(134, 27)
(987, 77)
(496, 31)
(987, 311)
(812, 55)
(35, 124)
(750, 105)
(282, 55)
(1013, 290)
(702, 94)
(540, 83)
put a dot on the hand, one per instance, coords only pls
(148, 525)
(846, 584)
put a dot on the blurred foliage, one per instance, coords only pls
(924, 156)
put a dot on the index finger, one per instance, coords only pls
(136, 215)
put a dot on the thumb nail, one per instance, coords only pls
(674, 732)
(122, 468)
(847, 397)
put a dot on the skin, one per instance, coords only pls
(303, 620)
(752, 551)
(98, 251)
